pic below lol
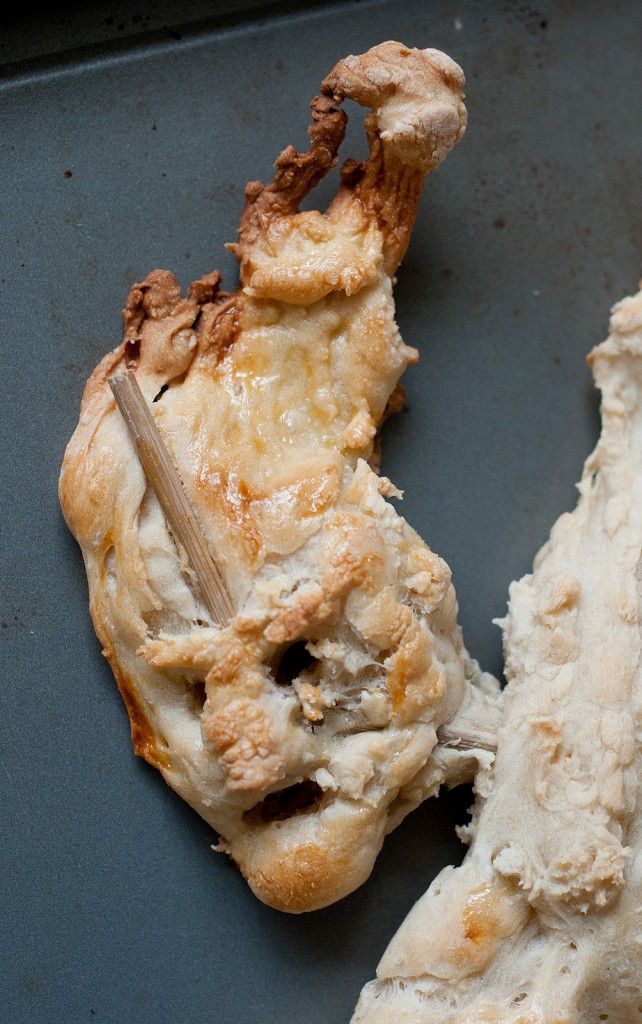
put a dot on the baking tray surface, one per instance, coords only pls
(127, 150)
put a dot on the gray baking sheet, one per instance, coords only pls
(126, 145)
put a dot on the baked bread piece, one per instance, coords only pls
(269, 400)
(541, 924)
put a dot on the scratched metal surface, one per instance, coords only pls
(126, 145)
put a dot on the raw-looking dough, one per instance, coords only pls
(541, 924)
(269, 400)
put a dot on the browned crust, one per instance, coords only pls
(387, 190)
(387, 186)
(164, 333)
(152, 299)
(214, 314)
(142, 732)
(296, 176)
(308, 875)
(219, 325)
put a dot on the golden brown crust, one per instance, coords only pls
(144, 739)
(269, 400)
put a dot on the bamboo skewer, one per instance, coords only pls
(467, 739)
(168, 487)
(162, 475)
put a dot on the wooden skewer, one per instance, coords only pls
(468, 739)
(162, 475)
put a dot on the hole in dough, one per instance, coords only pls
(198, 696)
(302, 796)
(294, 660)
(111, 579)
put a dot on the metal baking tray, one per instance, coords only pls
(128, 135)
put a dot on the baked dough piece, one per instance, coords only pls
(269, 400)
(541, 924)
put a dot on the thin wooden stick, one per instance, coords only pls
(162, 475)
(468, 739)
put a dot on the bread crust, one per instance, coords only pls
(269, 400)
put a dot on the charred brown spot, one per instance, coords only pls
(352, 172)
(226, 329)
(206, 289)
(154, 298)
(219, 322)
(296, 175)
(301, 797)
